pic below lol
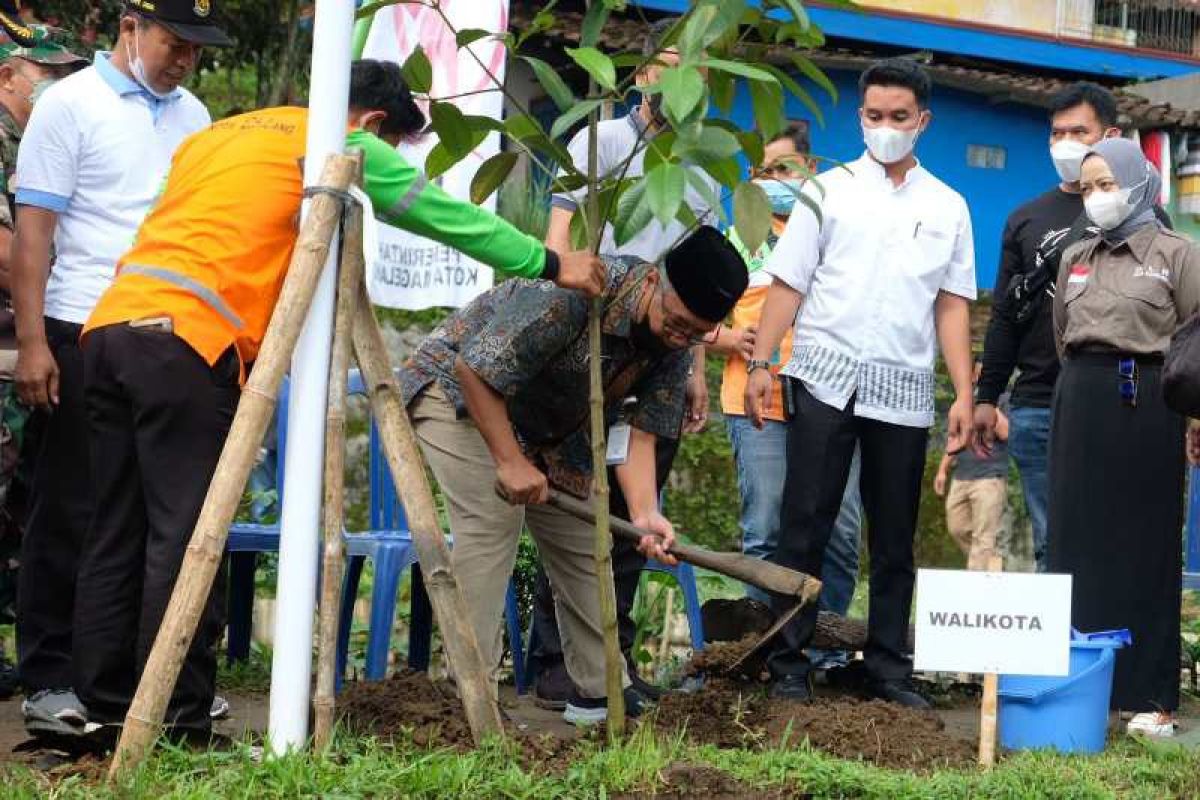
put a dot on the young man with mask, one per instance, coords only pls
(760, 454)
(168, 344)
(92, 160)
(1020, 335)
(616, 140)
(25, 72)
(498, 395)
(872, 285)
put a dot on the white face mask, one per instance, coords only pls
(1068, 156)
(889, 145)
(138, 68)
(1108, 209)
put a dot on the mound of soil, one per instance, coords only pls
(407, 701)
(727, 714)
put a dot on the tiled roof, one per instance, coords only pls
(624, 33)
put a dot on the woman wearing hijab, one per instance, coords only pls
(1116, 450)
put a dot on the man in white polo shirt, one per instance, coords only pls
(92, 159)
(885, 272)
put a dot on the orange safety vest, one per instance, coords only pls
(213, 252)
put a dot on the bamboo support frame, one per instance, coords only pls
(254, 412)
(350, 275)
(412, 485)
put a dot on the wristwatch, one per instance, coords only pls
(757, 363)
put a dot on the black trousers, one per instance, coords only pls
(820, 447)
(159, 416)
(627, 565)
(60, 507)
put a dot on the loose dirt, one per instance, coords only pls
(408, 702)
(681, 780)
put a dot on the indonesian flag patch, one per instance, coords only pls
(1079, 273)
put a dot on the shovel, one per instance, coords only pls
(763, 574)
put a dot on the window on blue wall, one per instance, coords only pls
(986, 156)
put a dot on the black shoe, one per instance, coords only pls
(797, 688)
(553, 688)
(583, 711)
(644, 687)
(900, 692)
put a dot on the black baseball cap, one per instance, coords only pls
(190, 20)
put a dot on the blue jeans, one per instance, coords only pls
(761, 466)
(1029, 446)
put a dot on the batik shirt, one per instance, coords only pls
(527, 339)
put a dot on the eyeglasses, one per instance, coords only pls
(1127, 369)
(679, 327)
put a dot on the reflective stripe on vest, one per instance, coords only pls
(210, 298)
(409, 197)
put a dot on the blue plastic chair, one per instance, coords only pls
(684, 575)
(1191, 568)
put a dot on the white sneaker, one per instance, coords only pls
(219, 708)
(1152, 723)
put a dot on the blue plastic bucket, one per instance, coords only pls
(1068, 713)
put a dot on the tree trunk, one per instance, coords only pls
(287, 58)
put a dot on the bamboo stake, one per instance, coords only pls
(257, 404)
(614, 678)
(412, 485)
(350, 274)
(991, 686)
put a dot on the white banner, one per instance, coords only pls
(409, 271)
(1010, 623)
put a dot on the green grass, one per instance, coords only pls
(358, 767)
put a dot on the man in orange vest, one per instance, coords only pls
(169, 343)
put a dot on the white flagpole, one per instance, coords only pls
(291, 666)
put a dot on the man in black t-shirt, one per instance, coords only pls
(1020, 334)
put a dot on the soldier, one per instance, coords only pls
(25, 72)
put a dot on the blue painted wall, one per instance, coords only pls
(960, 119)
(998, 45)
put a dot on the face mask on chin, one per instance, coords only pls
(1068, 156)
(888, 145)
(138, 68)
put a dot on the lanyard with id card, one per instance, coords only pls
(617, 452)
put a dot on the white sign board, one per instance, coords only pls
(406, 270)
(1010, 623)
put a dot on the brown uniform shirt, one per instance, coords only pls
(1130, 297)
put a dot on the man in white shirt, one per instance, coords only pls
(92, 159)
(887, 268)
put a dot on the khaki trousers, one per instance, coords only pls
(976, 516)
(486, 529)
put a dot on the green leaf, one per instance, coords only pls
(739, 69)
(593, 23)
(451, 128)
(708, 193)
(664, 191)
(633, 214)
(565, 122)
(696, 31)
(797, 10)
(751, 215)
(682, 89)
(596, 64)
(567, 183)
(438, 161)
(728, 173)
(800, 93)
(477, 123)
(767, 102)
(469, 36)
(658, 150)
(418, 72)
(490, 175)
(552, 82)
(542, 22)
(722, 89)
(814, 74)
(752, 145)
(713, 144)
(578, 229)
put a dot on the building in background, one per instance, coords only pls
(995, 64)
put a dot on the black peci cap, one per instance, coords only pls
(707, 273)
(190, 20)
